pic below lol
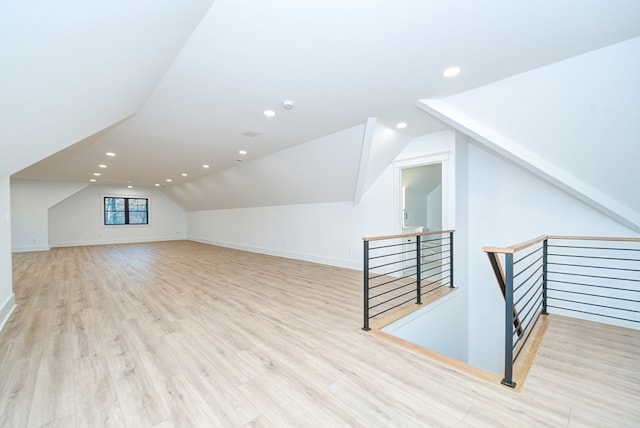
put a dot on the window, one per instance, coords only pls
(125, 210)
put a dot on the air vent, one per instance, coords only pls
(251, 134)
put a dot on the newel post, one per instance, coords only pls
(508, 322)
(418, 273)
(365, 272)
(544, 277)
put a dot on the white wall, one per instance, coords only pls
(7, 298)
(325, 233)
(434, 209)
(508, 205)
(78, 219)
(30, 203)
(419, 183)
(433, 325)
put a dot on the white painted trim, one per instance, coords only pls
(7, 309)
(367, 143)
(448, 185)
(330, 261)
(531, 162)
(116, 241)
(28, 248)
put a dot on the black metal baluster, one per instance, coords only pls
(544, 277)
(365, 271)
(508, 322)
(418, 273)
(451, 259)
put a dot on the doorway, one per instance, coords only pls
(421, 198)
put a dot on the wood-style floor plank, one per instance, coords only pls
(182, 334)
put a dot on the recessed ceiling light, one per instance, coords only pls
(451, 72)
(206, 166)
(93, 180)
(168, 180)
(97, 174)
(129, 187)
(401, 125)
(184, 174)
(287, 104)
(242, 152)
(102, 165)
(157, 184)
(110, 154)
(269, 113)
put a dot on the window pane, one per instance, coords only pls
(119, 204)
(137, 217)
(109, 204)
(113, 217)
(126, 210)
(137, 205)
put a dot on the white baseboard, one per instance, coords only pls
(27, 248)
(7, 309)
(331, 261)
(115, 241)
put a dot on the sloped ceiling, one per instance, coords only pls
(182, 105)
(70, 69)
(322, 170)
(571, 122)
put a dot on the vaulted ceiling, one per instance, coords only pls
(172, 85)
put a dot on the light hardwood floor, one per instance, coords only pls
(185, 334)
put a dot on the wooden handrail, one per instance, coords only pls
(404, 235)
(518, 247)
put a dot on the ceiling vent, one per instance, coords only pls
(251, 134)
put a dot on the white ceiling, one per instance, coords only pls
(339, 61)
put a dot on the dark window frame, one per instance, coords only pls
(126, 211)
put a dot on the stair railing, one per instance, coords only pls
(402, 269)
(591, 276)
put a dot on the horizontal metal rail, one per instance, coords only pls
(546, 272)
(399, 266)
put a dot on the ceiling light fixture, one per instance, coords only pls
(110, 154)
(401, 125)
(287, 104)
(97, 174)
(168, 180)
(206, 166)
(157, 184)
(269, 113)
(242, 152)
(93, 180)
(129, 187)
(184, 174)
(102, 165)
(451, 72)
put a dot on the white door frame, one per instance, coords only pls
(448, 186)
